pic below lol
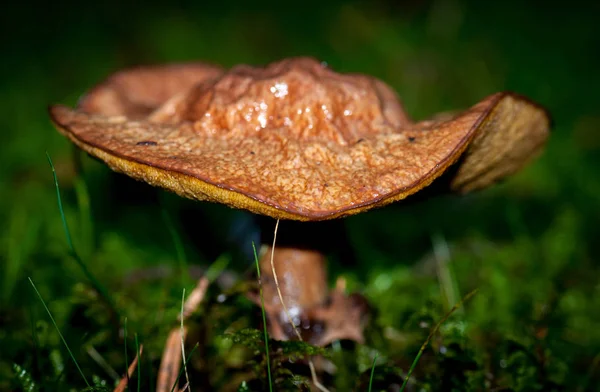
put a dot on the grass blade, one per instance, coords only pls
(433, 332)
(217, 267)
(59, 333)
(86, 224)
(124, 381)
(264, 316)
(95, 282)
(181, 370)
(372, 373)
(60, 206)
(182, 262)
(446, 279)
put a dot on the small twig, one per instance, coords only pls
(125, 379)
(311, 365)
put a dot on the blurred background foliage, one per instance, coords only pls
(528, 244)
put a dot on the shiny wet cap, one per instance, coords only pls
(293, 140)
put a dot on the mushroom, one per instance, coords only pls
(295, 140)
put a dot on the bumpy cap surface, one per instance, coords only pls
(292, 140)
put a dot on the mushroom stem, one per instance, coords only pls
(301, 275)
(296, 268)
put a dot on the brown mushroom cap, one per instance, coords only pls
(137, 92)
(293, 140)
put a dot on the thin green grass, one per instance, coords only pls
(187, 359)
(447, 281)
(182, 261)
(372, 373)
(59, 333)
(264, 316)
(86, 223)
(95, 282)
(217, 267)
(433, 332)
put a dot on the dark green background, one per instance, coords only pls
(529, 244)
